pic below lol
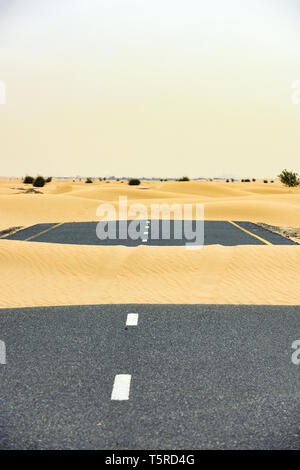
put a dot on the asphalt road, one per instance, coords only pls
(215, 232)
(202, 377)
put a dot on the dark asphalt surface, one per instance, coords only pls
(203, 377)
(215, 232)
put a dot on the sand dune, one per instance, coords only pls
(49, 274)
(265, 189)
(63, 201)
(204, 188)
(132, 193)
(29, 209)
(35, 274)
(277, 211)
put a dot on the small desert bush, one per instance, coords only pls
(289, 178)
(39, 182)
(28, 179)
(49, 179)
(265, 181)
(134, 182)
(88, 180)
(184, 178)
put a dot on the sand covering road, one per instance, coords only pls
(35, 274)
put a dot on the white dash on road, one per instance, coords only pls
(132, 319)
(121, 387)
(144, 240)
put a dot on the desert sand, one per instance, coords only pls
(41, 274)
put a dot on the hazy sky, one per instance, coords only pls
(149, 87)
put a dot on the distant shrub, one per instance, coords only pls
(184, 178)
(271, 181)
(100, 179)
(247, 180)
(289, 178)
(28, 179)
(232, 180)
(39, 182)
(49, 179)
(243, 181)
(134, 182)
(253, 179)
(88, 180)
(227, 181)
(265, 181)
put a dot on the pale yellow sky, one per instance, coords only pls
(149, 87)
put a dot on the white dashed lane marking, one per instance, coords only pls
(132, 319)
(145, 239)
(121, 387)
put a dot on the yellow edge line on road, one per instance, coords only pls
(44, 231)
(12, 233)
(250, 233)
